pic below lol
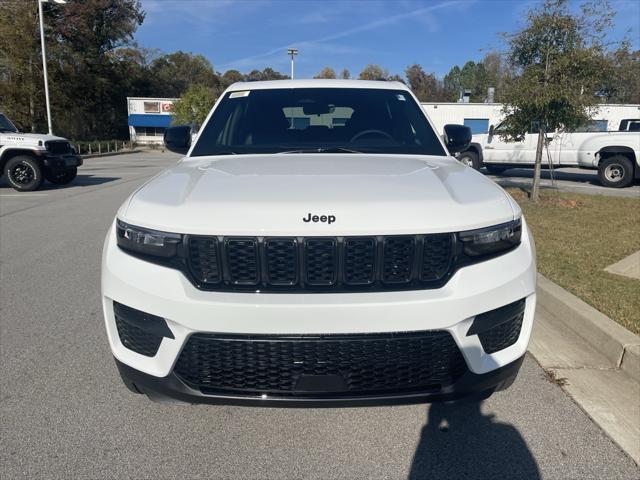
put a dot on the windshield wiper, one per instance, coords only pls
(322, 150)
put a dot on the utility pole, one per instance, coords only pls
(44, 61)
(292, 52)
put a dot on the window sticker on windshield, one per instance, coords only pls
(401, 97)
(244, 93)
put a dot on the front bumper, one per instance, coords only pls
(166, 293)
(61, 162)
(470, 387)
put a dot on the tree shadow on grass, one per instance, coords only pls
(459, 441)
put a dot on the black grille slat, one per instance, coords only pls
(397, 263)
(242, 261)
(281, 261)
(321, 261)
(205, 259)
(322, 264)
(359, 261)
(436, 256)
(367, 363)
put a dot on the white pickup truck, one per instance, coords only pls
(616, 155)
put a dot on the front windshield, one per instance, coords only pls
(350, 120)
(6, 125)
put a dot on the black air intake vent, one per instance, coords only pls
(139, 331)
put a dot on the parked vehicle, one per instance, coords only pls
(318, 245)
(616, 155)
(27, 159)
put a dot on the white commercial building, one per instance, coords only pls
(480, 116)
(148, 118)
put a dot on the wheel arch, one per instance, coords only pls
(477, 149)
(611, 150)
(9, 153)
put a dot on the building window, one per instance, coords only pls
(477, 125)
(151, 107)
(150, 131)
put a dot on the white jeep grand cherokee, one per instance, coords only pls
(318, 245)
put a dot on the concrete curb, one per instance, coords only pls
(615, 342)
(110, 154)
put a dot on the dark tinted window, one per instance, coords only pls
(6, 125)
(318, 119)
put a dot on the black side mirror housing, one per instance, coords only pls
(457, 138)
(178, 139)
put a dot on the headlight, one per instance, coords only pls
(147, 242)
(491, 240)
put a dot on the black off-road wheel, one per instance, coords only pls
(470, 159)
(61, 177)
(616, 172)
(24, 173)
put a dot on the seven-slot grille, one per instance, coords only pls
(58, 147)
(350, 365)
(320, 263)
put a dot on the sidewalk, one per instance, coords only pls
(590, 372)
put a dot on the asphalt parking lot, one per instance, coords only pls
(65, 413)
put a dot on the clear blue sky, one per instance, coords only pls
(248, 34)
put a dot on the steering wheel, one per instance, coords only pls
(368, 132)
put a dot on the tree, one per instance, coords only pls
(193, 106)
(424, 85)
(345, 74)
(559, 57)
(395, 78)
(373, 72)
(622, 81)
(326, 72)
(21, 86)
(229, 78)
(174, 73)
(82, 43)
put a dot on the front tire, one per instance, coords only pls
(615, 172)
(470, 159)
(24, 173)
(61, 177)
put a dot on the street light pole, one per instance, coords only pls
(44, 67)
(292, 52)
(44, 62)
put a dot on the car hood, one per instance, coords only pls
(29, 138)
(272, 194)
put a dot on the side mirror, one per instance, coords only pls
(457, 138)
(491, 129)
(178, 139)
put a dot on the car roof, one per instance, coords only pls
(318, 83)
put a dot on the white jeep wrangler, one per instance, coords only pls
(27, 159)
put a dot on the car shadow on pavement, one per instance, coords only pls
(459, 441)
(584, 177)
(79, 181)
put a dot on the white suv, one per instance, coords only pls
(318, 245)
(27, 159)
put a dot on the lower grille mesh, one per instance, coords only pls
(363, 364)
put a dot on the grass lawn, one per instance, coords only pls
(577, 236)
